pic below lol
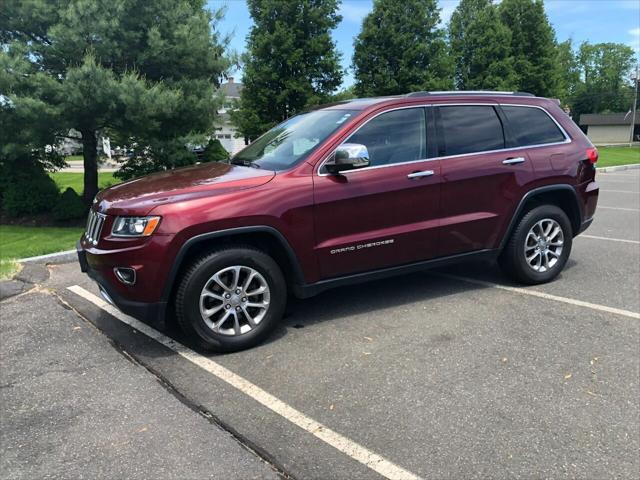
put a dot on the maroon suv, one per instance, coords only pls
(352, 191)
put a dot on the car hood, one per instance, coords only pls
(141, 195)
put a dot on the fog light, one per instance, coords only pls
(126, 275)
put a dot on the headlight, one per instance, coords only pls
(134, 226)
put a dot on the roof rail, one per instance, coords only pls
(469, 92)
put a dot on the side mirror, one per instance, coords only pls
(348, 156)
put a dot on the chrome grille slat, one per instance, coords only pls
(94, 226)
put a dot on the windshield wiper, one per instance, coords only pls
(245, 163)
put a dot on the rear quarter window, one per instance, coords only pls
(532, 126)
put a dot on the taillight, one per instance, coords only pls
(592, 155)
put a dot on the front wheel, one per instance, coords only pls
(231, 299)
(539, 246)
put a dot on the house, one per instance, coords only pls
(610, 128)
(225, 130)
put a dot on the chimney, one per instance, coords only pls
(230, 79)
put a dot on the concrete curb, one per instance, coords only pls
(632, 166)
(58, 257)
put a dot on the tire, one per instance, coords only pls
(532, 226)
(193, 302)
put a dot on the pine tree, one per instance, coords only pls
(144, 72)
(481, 48)
(401, 49)
(533, 46)
(291, 61)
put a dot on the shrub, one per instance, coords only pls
(69, 206)
(26, 189)
(214, 152)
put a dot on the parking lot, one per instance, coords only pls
(454, 373)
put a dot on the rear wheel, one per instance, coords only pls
(539, 246)
(231, 299)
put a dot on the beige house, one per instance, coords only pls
(610, 128)
(225, 131)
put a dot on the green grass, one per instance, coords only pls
(20, 242)
(612, 156)
(74, 158)
(76, 180)
(8, 268)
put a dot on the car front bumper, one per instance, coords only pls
(148, 312)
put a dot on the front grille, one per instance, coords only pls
(94, 226)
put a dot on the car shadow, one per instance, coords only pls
(364, 298)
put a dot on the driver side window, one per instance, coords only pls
(394, 137)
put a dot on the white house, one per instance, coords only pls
(610, 128)
(225, 131)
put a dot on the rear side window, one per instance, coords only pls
(532, 126)
(394, 137)
(469, 129)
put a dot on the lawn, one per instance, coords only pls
(21, 242)
(612, 156)
(76, 180)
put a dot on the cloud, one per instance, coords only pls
(354, 11)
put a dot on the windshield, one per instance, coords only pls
(286, 144)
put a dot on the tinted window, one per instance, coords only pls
(531, 126)
(394, 137)
(470, 128)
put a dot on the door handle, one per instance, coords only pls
(423, 173)
(514, 161)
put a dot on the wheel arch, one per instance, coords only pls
(563, 196)
(266, 238)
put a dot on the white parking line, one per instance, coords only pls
(611, 239)
(359, 453)
(620, 208)
(620, 191)
(547, 296)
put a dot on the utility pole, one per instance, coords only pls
(633, 108)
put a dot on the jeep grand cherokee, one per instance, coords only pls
(352, 191)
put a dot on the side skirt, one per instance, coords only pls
(311, 289)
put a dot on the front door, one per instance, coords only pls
(388, 213)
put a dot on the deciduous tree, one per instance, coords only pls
(401, 48)
(606, 84)
(291, 61)
(481, 48)
(533, 46)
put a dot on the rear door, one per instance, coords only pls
(482, 179)
(386, 214)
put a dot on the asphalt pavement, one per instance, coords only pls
(455, 373)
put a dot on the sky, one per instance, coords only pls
(593, 21)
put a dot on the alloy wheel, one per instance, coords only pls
(234, 300)
(543, 245)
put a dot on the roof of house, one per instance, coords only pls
(608, 119)
(231, 89)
